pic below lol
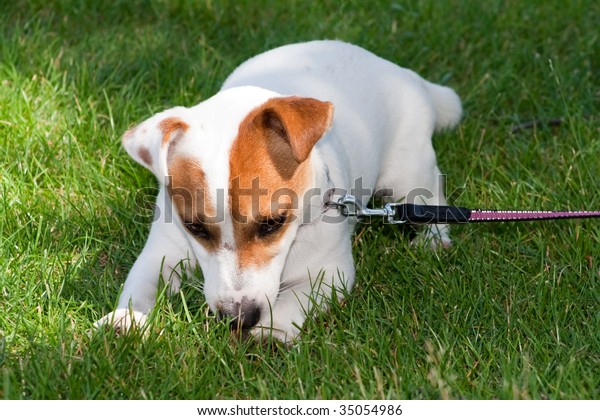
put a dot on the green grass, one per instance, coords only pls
(511, 311)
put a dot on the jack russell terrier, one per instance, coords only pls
(245, 179)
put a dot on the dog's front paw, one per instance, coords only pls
(122, 320)
(285, 335)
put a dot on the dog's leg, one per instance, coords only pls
(163, 254)
(289, 312)
(431, 192)
(412, 176)
(425, 186)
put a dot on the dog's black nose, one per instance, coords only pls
(242, 316)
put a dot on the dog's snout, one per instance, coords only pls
(242, 316)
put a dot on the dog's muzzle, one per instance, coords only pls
(242, 316)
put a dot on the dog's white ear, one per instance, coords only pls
(150, 142)
(299, 121)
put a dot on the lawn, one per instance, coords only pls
(510, 311)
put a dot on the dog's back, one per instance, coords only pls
(375, 100)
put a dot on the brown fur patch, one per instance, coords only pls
(188, 191)
(300, 121)
(172, 128)
(145, 155)
(269, 170)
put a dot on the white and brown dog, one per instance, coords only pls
(246, 176)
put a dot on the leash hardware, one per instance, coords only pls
(349, 205)
(399, 213)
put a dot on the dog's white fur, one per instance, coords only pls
(381, 132)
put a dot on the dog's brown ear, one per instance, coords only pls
(150, 142)
(299, 121)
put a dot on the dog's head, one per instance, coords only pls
(236, 168)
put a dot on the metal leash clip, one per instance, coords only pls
(349, 205)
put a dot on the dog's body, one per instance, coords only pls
(249, 172)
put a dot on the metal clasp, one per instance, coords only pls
(349, 205)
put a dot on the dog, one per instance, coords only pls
(247, 178)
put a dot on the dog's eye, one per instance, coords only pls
(199, 230)
(271, 225)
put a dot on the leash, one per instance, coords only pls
(398, 213)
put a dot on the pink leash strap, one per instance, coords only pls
(516, 216)
(422, 214)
